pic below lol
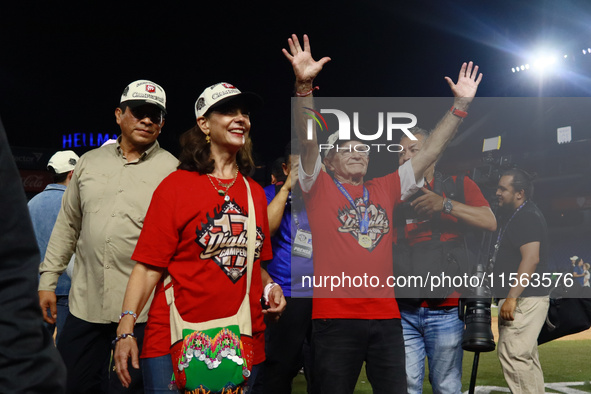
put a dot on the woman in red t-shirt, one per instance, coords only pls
(195, 229)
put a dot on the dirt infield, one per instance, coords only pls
(575, 337)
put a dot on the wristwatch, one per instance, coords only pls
(447, 205)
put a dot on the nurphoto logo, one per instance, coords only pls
(402, 121)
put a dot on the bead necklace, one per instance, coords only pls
(222, 192)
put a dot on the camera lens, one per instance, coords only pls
(478, 336)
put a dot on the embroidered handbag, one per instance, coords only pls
(214, 356)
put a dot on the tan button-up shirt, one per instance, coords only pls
(102, 214)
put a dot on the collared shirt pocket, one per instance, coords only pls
(92, 190)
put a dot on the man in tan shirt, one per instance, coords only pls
(100, 220)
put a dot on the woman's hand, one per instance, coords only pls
(141, 283)
(126, 348)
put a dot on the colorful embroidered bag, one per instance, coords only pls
(214, 356)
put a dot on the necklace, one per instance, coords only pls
(222, 192)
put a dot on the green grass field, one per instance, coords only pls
(562, 361)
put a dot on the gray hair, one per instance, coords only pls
(417, 131)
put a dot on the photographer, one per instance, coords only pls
(522, 248)
(431, 326)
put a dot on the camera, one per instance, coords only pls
(475, 312)
(405, 212)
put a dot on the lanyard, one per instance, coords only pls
(364, 219)
(294, 216)
(503, 230)
(294, 210)
(297, 210)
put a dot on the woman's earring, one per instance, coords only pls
(207, 139)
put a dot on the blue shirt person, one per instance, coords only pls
(44, 209)
(578, 270)
(287, 338)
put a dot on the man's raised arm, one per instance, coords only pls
(464, 91)
(305, 69)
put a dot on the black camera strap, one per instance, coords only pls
(454, 190)
(436, 219)
(502, 231)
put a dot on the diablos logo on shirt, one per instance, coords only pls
(223, 239)
(379, 225)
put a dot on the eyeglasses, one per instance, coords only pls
(152, 112)
(347, 154)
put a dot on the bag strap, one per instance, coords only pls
(251, 235)
(250, 245)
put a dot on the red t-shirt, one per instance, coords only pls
(416, 232)
(201, 240)
(337, 252)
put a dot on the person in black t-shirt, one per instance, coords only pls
(521, 280)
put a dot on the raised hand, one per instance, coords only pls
(304, 66)
(468, 81)
(292, 178)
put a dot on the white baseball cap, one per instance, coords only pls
(143, 92)
(331, 141)
(221, 93)
(63, 161)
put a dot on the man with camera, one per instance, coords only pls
(433, 234)
(520, 253)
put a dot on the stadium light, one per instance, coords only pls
(543, 62)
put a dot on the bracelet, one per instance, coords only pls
(123, 336)
(128, 313)
(309, 92)
(458, 113)
(267, 290)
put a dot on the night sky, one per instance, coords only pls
(63, 68)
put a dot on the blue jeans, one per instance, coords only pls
(157, 372)
(437, 334)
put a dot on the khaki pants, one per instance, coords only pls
(518, 345)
